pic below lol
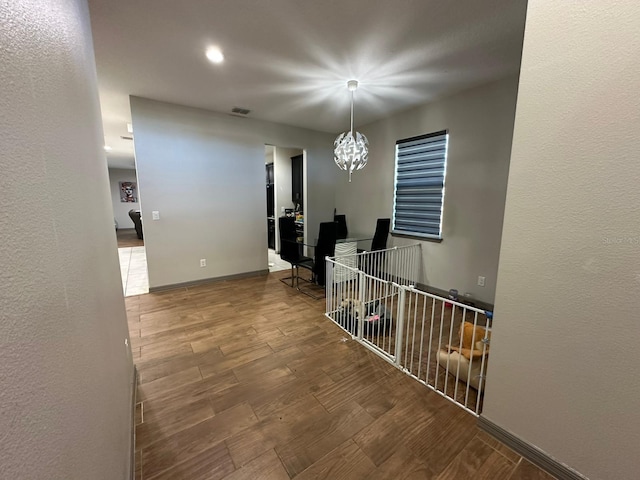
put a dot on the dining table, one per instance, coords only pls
(345, 246)
(346, 249)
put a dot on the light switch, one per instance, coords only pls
(155, 215)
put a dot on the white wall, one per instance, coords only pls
(204, 172)
(65, 395)
(563, 373)
(121, 209)
(282, 173)
(480, 124)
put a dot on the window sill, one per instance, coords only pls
(416, 237)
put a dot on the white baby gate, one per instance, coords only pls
(441, 343)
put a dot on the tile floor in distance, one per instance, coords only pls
(133, 269)
(276, 264)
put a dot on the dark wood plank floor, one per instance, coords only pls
(127, 237)
(247, 379)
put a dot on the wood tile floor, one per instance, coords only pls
(247, 379)
(127, 237)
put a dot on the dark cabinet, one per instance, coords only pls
(270, 177)
(297, 193)
(271, 206)
(271, 233)
(271, 203)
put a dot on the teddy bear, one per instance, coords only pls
(469, 355)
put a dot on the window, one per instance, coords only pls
(419, 185)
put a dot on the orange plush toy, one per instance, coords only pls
(468, 357)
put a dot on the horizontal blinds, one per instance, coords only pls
(420, 168)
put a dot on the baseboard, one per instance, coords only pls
(205, 281)
(134, 401)
(528, 451)
(442, 293)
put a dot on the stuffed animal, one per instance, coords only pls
(469, 354)
(351, 310)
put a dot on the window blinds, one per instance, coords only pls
(419, 192)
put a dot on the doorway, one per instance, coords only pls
(129, 233)
(284, 167)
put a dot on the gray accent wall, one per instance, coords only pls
(65, 371)
(204, 173)
(480, 124)
(563, 369)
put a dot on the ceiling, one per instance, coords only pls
(288, 61)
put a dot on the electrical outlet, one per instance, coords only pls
(155, 215)
(203, 262)
(481, 281)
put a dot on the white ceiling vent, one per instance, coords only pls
(240, 111)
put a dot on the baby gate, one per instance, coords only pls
(442, 343)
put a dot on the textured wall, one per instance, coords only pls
(563, 373)
(120, 209)
(480, 124)
(204, 172)
(65, 373)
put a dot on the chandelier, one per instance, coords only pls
(351, 149)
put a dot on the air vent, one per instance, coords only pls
(240, 110)
(125, 137)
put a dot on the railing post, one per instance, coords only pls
(400, 324)
(361, 297)
(329, 286)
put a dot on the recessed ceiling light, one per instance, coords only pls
(107, 148)
(214, 55)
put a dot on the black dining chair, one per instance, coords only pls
(341, 226)
(290, 249)
(379, 241)
(373, 264)
(325, 247)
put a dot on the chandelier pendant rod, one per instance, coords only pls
(351, 166)
(351, 112)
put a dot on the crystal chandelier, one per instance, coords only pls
(351, 149)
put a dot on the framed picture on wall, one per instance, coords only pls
(128, 192)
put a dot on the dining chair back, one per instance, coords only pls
(341, 226)
(326, 247)
(290, 249)
(379, 241)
